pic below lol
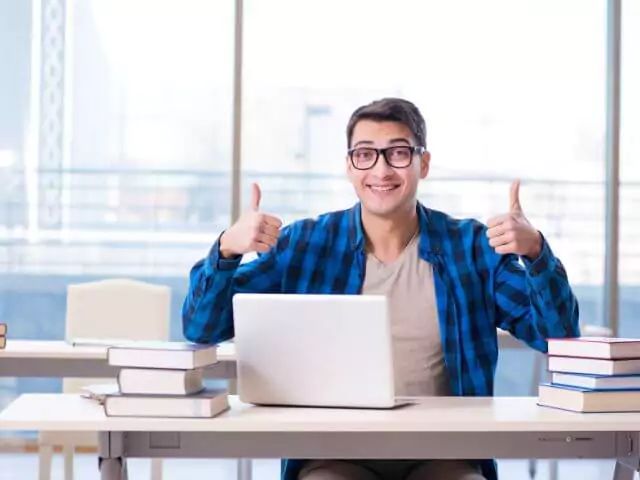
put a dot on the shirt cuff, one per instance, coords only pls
(544, 262)
(215, 262)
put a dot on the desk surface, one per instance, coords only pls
(61, 350)
(65, 412)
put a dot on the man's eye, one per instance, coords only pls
(364, 154)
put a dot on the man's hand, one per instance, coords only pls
(512, 232)
(253, 232)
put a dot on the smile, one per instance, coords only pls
(383, 188)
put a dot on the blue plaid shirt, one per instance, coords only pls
(477, 290)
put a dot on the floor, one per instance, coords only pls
(25, 467)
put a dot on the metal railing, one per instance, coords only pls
(167, 217)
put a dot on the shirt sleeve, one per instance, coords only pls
(207, 313)
(534, 300)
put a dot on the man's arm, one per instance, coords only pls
(207, 313)
(535, 302)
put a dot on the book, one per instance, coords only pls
(140, 381)
(206, 404)
(595, 347)
(597, 366)
(163, 355)
(596, 382)
(588, 401)
(3, 329)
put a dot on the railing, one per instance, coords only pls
(163, 220)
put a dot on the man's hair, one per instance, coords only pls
(391, 110)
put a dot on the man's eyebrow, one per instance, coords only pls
(400, 139)
(363, 142)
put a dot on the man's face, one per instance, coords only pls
(384, 190)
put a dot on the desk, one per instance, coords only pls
(52, 358)
(437, 427)
(44, 358)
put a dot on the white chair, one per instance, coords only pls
(506, 341)
(119, 309)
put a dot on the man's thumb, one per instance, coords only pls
(256, 195)
(514, 197)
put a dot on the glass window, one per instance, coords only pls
(115, 148)
(502, 99)
(630, 172)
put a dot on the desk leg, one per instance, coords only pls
(244, 469)
(624, 471)
(113, 469)
(112, 462)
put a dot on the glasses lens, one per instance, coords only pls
(399, 156)
(363, 158)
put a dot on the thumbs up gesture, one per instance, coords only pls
(253, 232)
(512, 232)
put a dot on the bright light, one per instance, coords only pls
(7, 158)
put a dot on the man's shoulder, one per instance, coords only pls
(328, 223)
(447, 223)
(456, 235)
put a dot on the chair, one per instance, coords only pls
(115, 308)
(506, 341)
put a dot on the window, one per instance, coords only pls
(502, 99)
(115, 150)
(629, 270)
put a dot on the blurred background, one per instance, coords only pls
(118, 120)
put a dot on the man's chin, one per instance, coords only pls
(383, 211)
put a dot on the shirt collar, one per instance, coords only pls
(430, 231)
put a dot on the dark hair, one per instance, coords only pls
(391, 110)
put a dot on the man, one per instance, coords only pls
(450, 282)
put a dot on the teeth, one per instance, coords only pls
(382, 189)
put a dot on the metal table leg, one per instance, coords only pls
(624, 471)
(244, 469)
(113, 469)
(111, 462)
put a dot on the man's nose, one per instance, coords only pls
(382, 168)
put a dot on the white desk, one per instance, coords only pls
(44, 358)
(441, 427)
(52, 358)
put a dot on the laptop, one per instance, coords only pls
(314, 350)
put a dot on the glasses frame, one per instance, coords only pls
(415, 149)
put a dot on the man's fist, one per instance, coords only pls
(512, 232)
(253, 232)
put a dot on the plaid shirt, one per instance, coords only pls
(477, 290)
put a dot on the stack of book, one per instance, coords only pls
(593, 374)
(3, 335)
(162, 379)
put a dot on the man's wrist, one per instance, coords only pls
(537, 250)
(225, 252)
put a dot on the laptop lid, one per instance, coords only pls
(314, 350)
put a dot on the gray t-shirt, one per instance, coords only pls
(408, 283)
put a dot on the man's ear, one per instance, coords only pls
(425, 161)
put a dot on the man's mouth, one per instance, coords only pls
(383, 188)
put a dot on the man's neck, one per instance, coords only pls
(387, 238)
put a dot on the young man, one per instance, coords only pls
(450, 282)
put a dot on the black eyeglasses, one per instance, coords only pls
(365, 158)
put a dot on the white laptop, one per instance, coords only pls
(314, 350)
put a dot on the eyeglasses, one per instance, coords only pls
(365, 158)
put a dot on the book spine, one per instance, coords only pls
(119, 380)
